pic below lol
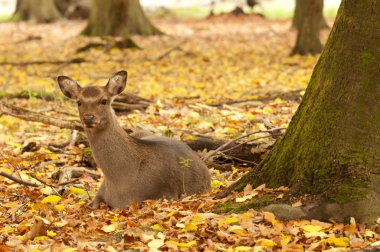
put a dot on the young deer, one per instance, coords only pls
(135, 168)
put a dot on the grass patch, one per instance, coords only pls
(233, 207)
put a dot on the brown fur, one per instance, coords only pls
(139, 167)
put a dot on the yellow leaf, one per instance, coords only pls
(51, 233)
(77, 191)
(266, 243)
(315, 234)
(69, 250)
(337, 242)
(181, 244)
(109, 228)
(59, 207)
(171, 213)
(285, 239)
(190, 227)
(53, 199)
(216, 183)
(6, 170)
(231, 220)
(237, 230)
(50, 167)
(243, 248)
(40, 238)
(312, 228)
(9, 230)
(197, 220)
(157, 227)
(60, 223)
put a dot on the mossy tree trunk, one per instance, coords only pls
(118, 18)
(297, 22)
(332, 146)
(39, 11)
(309, 26)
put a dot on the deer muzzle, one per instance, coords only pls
(88, 120)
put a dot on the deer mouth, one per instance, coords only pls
(90, 125)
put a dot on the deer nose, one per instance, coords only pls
(88, 118)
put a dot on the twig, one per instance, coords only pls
(68, 182)
(18, 180)
(240, 144)
(42, 62)
(177, 47)
(57, 111)
(15, 212)
(212, 153)
(241, 160)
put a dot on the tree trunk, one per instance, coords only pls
(297, 23)
(310, 16)
(332, 145)
(39, 11)
(118, 18)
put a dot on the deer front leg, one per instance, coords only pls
(99, 198)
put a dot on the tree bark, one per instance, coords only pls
(309, 21)
(332, 146)
(297, 22)
(118, 18)
(39, 11)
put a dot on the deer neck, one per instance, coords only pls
(113, 149)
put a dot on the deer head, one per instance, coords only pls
(94, 103)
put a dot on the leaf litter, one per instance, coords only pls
(221, 60)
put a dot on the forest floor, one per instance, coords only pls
(209, 78)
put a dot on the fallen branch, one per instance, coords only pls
(31, 116)
(177, 47)
(214, 152)
(18, 180)
(294, 95)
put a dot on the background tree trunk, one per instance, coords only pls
(39, 11)
(118, 18)
(310, 16)
(332, 145)
(297, 23)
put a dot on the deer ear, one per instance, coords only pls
(69, 87)
(116, 83)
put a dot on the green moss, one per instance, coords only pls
(27, 94)
(232, 207)
(352, 190)
(87, 151)
(367, 58)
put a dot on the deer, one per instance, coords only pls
(135, 167)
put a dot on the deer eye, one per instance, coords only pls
(103, 102)
(79, 103)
